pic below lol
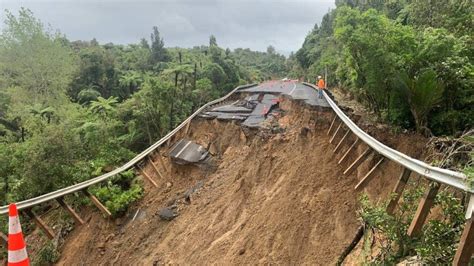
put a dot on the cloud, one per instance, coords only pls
(235, 23)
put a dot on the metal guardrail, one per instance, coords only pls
(83, 185)
(444, 176)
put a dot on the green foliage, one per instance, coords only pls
(87, 95)
(469, 168)
(423, 93)
(438, 241)
(70, 111)
(33, 59)
(366, 44)
(119, 193)
(103, 107)
(215, 73)
(47, 255)
(158, 51)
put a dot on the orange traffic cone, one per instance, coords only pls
(16, 244)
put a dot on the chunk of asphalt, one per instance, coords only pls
(168, 213)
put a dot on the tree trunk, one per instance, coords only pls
(173, 99)
(195, 76)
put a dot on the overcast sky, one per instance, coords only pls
(253, 24)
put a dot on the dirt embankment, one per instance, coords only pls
(271, 199)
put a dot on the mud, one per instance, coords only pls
(270, 199)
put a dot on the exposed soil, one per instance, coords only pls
(270, 199)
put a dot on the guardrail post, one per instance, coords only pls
(348, 151)
(339, 145)
(3, 239)
(466, 244)
(332, 124)
(358, 161)
(187, 128)
(156, 168)
(335, 133)
(163, 163)
(423, 210)
(398, 190)
(97, 203)
(40, 223)
(144, 174)
(70, 210)
(369, 174)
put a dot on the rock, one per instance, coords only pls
(304, 131)
(242, 251)
(168, 184)
(168, 213)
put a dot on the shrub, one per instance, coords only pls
(48, 255)
(119, 193)
(438, 241)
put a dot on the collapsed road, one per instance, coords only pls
(283, 199)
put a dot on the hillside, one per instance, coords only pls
(272, 199)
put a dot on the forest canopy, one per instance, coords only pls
(72, 110)
(410, 62)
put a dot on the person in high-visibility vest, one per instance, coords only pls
(321, 86)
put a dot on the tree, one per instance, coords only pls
(34, 59)
(144, 43)
(87, 95)
(158, 50)
(215, 73)
(423, 92)
(177, 70)
(130, 81)
(270, 50)
(103, 107)
(212, 41)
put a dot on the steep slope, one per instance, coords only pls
(272, 198)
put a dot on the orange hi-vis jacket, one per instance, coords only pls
(321, 84)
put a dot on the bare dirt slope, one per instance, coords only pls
(273, 199)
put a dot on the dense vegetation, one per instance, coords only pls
(72, 110)
(411, 62)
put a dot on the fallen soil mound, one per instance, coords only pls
(268, 198)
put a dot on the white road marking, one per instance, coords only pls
(294, 87)
(181, 151)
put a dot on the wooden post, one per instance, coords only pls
(342, 140)
(97, 203)
(187, 128)
(398, 190)
(3, 239)
(358, 161)
(163, 163)
(335, 133)
(348, 151)
(156, 168)
(144, 174)
(423, 210)
(466, 244)
(332, 124)
(40, 223)
(70, 210)
(369, 175)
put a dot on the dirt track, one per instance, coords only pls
(274, 199)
